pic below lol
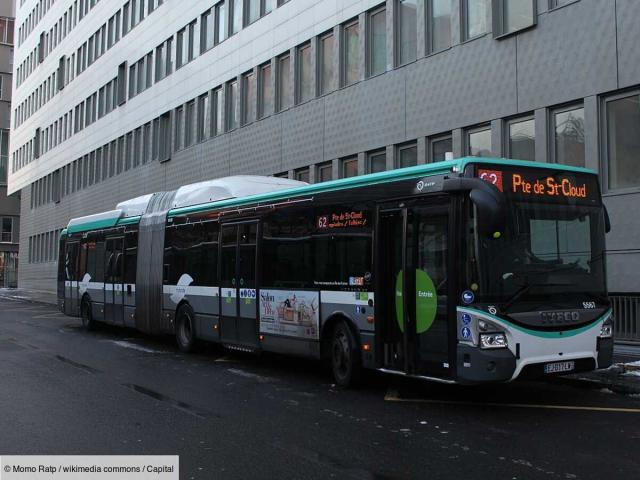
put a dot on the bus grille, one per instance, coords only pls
(626, 314)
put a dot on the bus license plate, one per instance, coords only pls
(559, 367)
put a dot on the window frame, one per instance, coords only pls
(434, 139)
(398, 35)
(429, 48)
(372, 154)
(464, 22)
(604, 144)
(405, 146)
(551, 122)
(348, 160)
(475, 129)
(320, 167)
(507, 132)
(499, 19)
(369, 40)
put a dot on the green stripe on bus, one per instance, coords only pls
(537, 333)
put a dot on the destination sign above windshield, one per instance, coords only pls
(541, 184)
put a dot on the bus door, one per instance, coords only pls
(113, 291)
(413, 265)
(71, 273)
(238, 296)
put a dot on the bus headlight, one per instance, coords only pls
(493, 340)
(606, 330)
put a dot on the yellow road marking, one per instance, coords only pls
(392, 396)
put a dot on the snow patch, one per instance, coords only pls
(134, 346)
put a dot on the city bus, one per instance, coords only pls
(463, 271)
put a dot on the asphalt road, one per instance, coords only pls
(66, 391)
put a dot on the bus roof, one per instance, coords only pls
(104, 220)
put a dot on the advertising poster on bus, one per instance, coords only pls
(290, 313)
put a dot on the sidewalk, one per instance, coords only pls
(37, 296)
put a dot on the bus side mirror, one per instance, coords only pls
(489, 202)
(607, 221)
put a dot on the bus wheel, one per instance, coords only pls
(185, 334)
(88, 323)
(345, 356)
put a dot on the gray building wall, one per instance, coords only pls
(9, 205)
(581, 52)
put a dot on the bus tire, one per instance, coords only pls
(346, 362)
(86, 314)
(185, 333)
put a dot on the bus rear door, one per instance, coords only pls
(238, 295)
(413, 263)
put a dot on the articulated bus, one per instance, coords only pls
(463, 271)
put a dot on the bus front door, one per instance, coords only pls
(113, 291)
(238, 295)
(413, 261)
(71, 272)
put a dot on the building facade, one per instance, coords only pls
(9, 205)
(115, 99)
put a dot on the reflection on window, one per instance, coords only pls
(352, 53)
(407, 156)
(285, 93)
(378, 42)
(623, 141)
(305, 74)
(516, 15)
(408, 27)
(480, 143)
(377, 162)
(324, 172)
(475, 13)
(266, 91)
(439, 24)
(327, 76)
(522, 140)
(440, 148)
(569, 137)
(349, 167)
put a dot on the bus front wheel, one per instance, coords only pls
(345, 356)
(88, 323)
(185, 334)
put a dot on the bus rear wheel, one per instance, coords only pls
(185, 334)
(345, 356)
(88, 323)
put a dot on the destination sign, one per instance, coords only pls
(341, 219)
(542, 184)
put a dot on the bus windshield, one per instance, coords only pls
(549, 254)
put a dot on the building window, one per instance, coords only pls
(164, 137)
(284, 83)
(189, 123)
(4, 155)
(178, 132)
(182, 44)
(513, 15)
(474, 14)
(560, 3)
(327, 70)
(407, 30)
(440, 148)
(568, 137)
(324, 172)
(248, 99)
(351, 53)
(407, 156)
(266, 91)
(438, 25)
(236, 16)
(6, 230)
(377, 162)
(253, 11)
(349, 167)
(302, 175)
(203, 116)
(622, 116)
(207, 30)
(218, 112)
(479, 142)
(221, 22)
(232, 101)
(522, 135)
(305, 74)
(377, 61)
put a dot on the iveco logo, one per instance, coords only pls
(559, 317)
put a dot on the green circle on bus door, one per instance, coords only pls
(426, 301)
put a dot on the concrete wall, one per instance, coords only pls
(578, 53)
